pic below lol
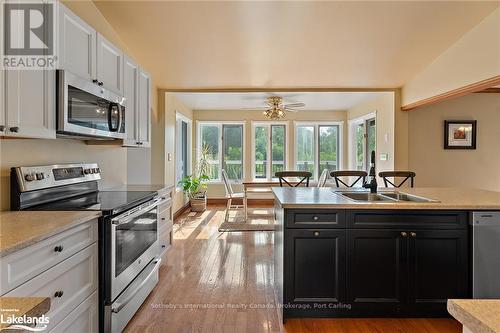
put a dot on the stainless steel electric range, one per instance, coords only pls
(128, 231)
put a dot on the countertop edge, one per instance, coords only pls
(30, 241)
(467, 319)
(399, 206)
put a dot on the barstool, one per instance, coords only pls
(397, 174)
(348, 173)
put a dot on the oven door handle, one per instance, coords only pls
(125, 218)
(121, 305)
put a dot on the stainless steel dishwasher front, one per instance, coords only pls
(486, 255)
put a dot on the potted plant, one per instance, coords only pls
(195, 185)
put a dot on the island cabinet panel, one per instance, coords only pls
(315, 273)
(314, 218)
(376, 271)
(438, 269)
(425, 219)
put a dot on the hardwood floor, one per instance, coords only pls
(223, 282)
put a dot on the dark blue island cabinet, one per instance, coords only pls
(370, 263)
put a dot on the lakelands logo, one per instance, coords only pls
(24, 323)
(28, 35)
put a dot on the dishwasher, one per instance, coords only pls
(486, 255)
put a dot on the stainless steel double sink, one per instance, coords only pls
(385, 196)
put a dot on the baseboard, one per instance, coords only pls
(251, 202)
(181, 210)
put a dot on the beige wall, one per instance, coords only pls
(436, 166)
(171, 105)
(474, 57)
(383, 106)
(217, 190)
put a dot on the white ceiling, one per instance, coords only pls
(289, 44)
(255, 100)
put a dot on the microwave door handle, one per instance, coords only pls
(110, 122)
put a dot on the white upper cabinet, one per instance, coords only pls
(109, 65)
(130, 92)
(30, 103)
(144, 112)
(77, 45)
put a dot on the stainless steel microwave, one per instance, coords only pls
(87, 110)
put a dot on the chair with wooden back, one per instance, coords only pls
(385, 175)
(361, 175)
(322, 178)
(230, 195)
(302, 176)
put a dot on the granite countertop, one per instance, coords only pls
(449, 198)
(478, 315)
(20, 306)
(20, 229)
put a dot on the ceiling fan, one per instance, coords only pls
(276, 108)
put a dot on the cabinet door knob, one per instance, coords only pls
(101, 84)
(2, 128)
(404, 234)
(14, 129)
(58, 293)
(95, 81)
(316, 233)
(58, 248)
(413, 234)
(315, 218)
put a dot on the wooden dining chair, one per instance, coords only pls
(230, 195)
(303, 177)
(385, 175)
(361, 175)
(322, 178)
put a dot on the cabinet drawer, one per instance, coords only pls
(165, 205)
(166, 238)
(83, 319)
(25, 264)
(424, 219)
(164, 220)
(76, 277)
(308, 218)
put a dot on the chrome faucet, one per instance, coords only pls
(372, 185)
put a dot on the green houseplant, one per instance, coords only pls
(195, 185)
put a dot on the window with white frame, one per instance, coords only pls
(317, 147)
(269, 149)
(183, 147)
(224, 143)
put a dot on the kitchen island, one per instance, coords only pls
(338, 257)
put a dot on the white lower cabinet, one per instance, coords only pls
(67, 284)
(64, 268)
(83, 319)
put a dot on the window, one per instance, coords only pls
(269, 150)
(225, 148)
(364, 141)
(317, 147)
(183, 147)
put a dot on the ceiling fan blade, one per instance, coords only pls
(256, 108)
(292, 110)
(295, 105)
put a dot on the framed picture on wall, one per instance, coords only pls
(460, 134)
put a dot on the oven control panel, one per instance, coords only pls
(40, 177)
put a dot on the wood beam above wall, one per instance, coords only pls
(480, 86)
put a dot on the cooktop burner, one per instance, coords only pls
(109, 202)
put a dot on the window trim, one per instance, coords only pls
(316, 125)
(268, 124)
(181, 117)
(219, 124)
